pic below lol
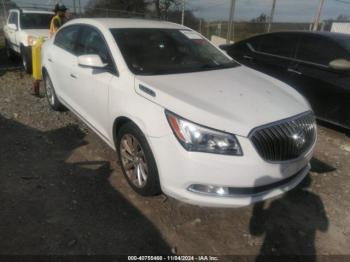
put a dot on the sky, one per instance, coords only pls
(286, 10)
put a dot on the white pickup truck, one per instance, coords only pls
(22, 28)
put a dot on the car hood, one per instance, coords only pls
(234, 100)
(37, 32)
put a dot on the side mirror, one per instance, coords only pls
(224, 47)
(340, 64)
(92, 61)
(12, 27)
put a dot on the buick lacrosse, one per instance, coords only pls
(184, 118)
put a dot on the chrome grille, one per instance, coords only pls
(287, 139)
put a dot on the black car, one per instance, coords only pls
(317, 64)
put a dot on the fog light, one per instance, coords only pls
(210, 190)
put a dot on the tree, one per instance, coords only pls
(105, 7)
(262, 18)
(163, 7)
(8, 4)
(343, 17)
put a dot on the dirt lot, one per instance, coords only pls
(61, 192)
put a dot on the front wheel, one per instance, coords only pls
(137, 160)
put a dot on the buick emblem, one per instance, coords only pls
(298, 135)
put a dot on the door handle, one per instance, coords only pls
(291, 70)
(50, 60)
(248, 57)
(73, 76)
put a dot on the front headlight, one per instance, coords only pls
(31, 40)
(194, 137)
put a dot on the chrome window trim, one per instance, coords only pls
(251, 48)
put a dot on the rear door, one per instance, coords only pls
(63, 62)
(327, 90)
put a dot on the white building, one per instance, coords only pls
(341, 27)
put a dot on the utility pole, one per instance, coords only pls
(200, 25)
(271, 16)
(79, 3)
(318, 15)
(4, 6)
(183, 12)
(230, 22)
(74, 7)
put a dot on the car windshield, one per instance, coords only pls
(35, 21)
(168, 51)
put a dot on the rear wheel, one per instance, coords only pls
(51, 94)
(26, 59)
(9, 52)
(137, 160)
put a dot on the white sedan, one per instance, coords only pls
(184, 118)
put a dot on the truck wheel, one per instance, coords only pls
(9, 52)
(137, 160)
(51, 94)
(26, 59)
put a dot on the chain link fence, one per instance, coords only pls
(2, 23)
(242, 30)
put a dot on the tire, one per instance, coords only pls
(9, 52)
(139, 166)
(26, 59)
(51, 96)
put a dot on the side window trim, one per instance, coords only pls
(75, 42)
(293, 59)
(80, 31)
(318, 64)
(16, 14)
(114, 65)
(12, 17)
(9, 17)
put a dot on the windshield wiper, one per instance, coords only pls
(219, 66)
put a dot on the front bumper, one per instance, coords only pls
(252, 178)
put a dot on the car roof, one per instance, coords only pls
(112, 23)
(32, 11)
(332, 35)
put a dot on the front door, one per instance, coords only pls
(93, 84)
(327, 90)
(274, 54)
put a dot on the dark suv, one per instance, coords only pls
(317, 64)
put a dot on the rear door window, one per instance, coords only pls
(66, 38)
(278, 44)
(319, 50)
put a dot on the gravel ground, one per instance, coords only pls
(62, 192)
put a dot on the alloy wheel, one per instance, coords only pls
(134, 161)
(24, 62)
(49, 91)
